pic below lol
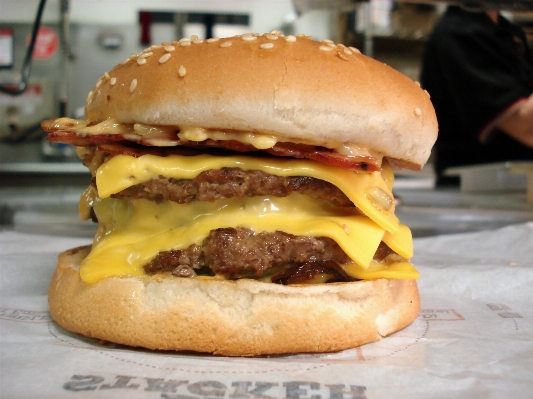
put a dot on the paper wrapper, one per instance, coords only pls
(472, 339)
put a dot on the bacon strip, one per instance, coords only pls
(137, 145)
(139, 151)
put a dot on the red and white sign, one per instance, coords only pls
(46, 44)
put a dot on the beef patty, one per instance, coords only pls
(241, 253)
(215, 184)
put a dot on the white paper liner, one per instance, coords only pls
(472, 339)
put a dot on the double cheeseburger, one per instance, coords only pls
(242, 190)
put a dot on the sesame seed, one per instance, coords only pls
(271, 36)
(164, 58)
(267, 45)
(146, 55)
(275, 32)
(164, 44)
(347, 51)
(327, 41)
(141, 61)
(175, 43)
(325, 48)
(290, 38)
(417, 83)
(194, 37)
(354, 50)
(248, 37)
(332, 45)
(418, 111)
(113, 81)
(197, 41)
(89, 97)
(185, 43)
(182, 71)
(98, 83)
(427, 92)
(342, 56)
(225, 44)
(133, 85)
(213, 39)
(169, 48)
(153, 47)
(106, 75)
(300, 35)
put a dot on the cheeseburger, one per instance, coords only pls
(243, 193)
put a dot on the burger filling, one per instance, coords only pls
(283, 221)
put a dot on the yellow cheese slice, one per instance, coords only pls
(399, 270)
(129, 238)
(401, 242)
(368, 191)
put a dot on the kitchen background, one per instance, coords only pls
(79, 40)
(103, 33)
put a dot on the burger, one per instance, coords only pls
(243, 193)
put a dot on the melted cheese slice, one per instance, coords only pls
(399, 270)
(401, 242)
(129, 238)
(124, 171)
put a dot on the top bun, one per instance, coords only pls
(294, 88)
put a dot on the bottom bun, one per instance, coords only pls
(232, 318)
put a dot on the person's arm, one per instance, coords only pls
(518, 123)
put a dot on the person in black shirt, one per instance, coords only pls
(478, 70)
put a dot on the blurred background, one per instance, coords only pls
(78, 40)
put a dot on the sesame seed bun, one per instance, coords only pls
(294, 88)
(233, 318)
